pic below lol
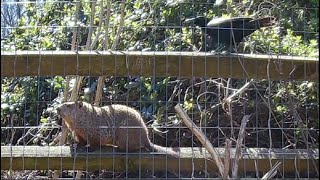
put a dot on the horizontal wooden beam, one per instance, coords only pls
(66, 158)
(175, 64)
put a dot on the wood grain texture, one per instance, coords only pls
(161, 64)
(66, 158)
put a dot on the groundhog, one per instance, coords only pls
(113, 125)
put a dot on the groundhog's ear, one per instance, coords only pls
(80, 104)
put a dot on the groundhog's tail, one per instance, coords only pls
(164, 150)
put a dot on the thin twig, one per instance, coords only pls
(202, 138)
(99, 91)
(66, 89)
(239, 91)
(93, 7)
(238, 146)
(94, 42)
(106, 35)
(227, 158)
(75, 88)
(272, 172)
(270, 111)
(74, 32)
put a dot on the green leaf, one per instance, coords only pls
(43, 120)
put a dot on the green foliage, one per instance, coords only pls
(300, 96)
(49, 26)
(44, 28)
(23, 99)
(289, 44)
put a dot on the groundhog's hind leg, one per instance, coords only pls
(80, 141)
(120, 140)
(128, 140)
(84, 141)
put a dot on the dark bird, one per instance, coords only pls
(223, 33)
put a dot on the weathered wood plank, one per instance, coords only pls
(64, 157)
(181, 64)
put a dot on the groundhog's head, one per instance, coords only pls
(69, 109)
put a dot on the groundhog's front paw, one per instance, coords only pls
(81, 148)
(90, 148)
(78, 145)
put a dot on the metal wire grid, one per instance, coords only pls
(217, 129)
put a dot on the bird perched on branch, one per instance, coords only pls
(227, 33)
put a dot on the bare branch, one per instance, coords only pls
(227, 158)
(74, 32)
(116, 40)
(106, 36)
(93, 7)
(238, 146)
(94, 42)
(202, 138)
(99, 91)
(273, 171)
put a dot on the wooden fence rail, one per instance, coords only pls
(178, 64)
(66, 158)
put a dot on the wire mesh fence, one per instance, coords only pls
(106, 89)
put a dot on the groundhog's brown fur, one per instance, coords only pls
(112, 125)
